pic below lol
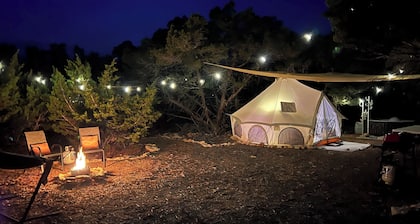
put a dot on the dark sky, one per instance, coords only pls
(100, 25)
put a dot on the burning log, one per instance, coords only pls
(78, 172)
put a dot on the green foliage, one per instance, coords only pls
(23, 98)
(35, 104)
(66, 106)
(76, 100)
(128, 117)
(10, 97)
(180, 62)
(237, 39)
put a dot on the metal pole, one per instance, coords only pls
(362, 105)
(369, 105)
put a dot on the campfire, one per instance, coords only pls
(81, 169)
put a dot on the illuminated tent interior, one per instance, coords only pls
(287, 113)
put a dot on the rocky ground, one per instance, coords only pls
(209, 182)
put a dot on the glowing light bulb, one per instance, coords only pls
(307, 37)
(172, 85)
(378, 90)
(217, 75)
(262, 59)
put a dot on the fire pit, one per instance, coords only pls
(81, 169)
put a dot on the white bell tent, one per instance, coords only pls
(287, 113)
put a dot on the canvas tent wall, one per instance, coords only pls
(287, 113)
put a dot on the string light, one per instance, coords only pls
(262, 59)
(126, 89)
(172, 85)
(129, 89)
(217, 75)
(1, 66)
(378, 90)
(391, 76)
(40, 80)
(307, 37)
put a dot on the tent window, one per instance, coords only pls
(288, 107)
(237, 129)
(257, 135)
(291, 136)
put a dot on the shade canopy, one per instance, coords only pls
(323, 77)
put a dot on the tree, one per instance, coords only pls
(23, 99)
(193, 90)
(7, 51)
(21, 108)
(76, 100)
(374, 29)
(126, 116)
(180, 64)
(34, 105)
(10, 97)
(66, 106)
(377, 36)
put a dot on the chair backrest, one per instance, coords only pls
(90, 138)
(37, 143)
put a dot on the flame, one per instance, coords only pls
(80, 160)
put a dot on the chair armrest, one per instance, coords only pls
(33, 148)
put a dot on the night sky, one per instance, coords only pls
(100, 25)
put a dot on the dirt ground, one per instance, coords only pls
(185, 182)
